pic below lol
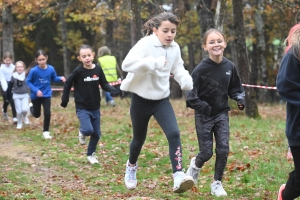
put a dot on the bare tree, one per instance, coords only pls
(64, 37)
(7, 30)
(136, 22)
(242, 58)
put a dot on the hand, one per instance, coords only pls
(241, 106)
(63, 79)
(39, 93)
(63, 104)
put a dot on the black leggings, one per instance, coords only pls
(292, 188)
(36, 110)
(11, 102)
(141, 111)
(206, 128)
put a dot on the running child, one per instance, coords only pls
(86, 79)
(288, 86)
(7, 69)
(39, 81)
(149, 64)
(215, 78)
(19, 89)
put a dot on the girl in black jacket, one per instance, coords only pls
(288, 86)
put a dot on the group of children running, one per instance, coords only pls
(148, 65)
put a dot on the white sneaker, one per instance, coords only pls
(81, 138)
(217, 189)
(26, 120)
(15, 120)
(112, 103)
(182, 182)
(130, 176)
(93, 159)
(19, 125)
(193, 171)
(46, 135)
(5, 116)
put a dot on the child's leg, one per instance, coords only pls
(221, 131)
(13, 109)
(35, 109)
(292, 188)
(204, 125)
(140, 116)
(5, 103)
(18, 107)
(46, 102)
(108, 97)
(24, 103)
(165, 116)
(95, 136)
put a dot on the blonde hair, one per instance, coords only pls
(19, 61)
(293, 40)
(103, 51)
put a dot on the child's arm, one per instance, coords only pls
(288, 80)
(9, 89)
(181, 75)
(29, 82)
(56, 78)
(105, 85)
(67, 87)
(3, 82)
(236, 90)
(136, 60)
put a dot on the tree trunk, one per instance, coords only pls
(221, 12)
(110, 29)
(7, 31)
(64, 37)
(205, 17)
(261, 46)
(136, 22)
(243, 63)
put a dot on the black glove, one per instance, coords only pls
(63, 104)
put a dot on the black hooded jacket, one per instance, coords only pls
(213, 83)
(288, 86)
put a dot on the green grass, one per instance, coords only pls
(34, 168)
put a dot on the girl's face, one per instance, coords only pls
(20, 68)
(42, 61)
(166, 32)
(215, 45)
(7, 61)
(86, 56)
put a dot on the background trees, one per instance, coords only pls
(61, 26)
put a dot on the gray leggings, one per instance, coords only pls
(141, 111)
(206, 127)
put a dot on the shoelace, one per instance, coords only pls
(195, 173)
(132, 171)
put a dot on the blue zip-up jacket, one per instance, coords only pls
(288, 86)
(40, 79)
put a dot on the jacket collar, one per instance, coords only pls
(157, 43)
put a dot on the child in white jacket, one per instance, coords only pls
(149, 64)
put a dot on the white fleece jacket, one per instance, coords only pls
(148, 75)
(3, 81)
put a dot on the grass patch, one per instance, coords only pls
(34, 168)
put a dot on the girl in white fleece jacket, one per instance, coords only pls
(149, 64)
(7, 69)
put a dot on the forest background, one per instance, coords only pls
(255, 30)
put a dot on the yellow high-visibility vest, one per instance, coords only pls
(109, 66)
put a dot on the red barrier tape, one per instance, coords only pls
(120, 81)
